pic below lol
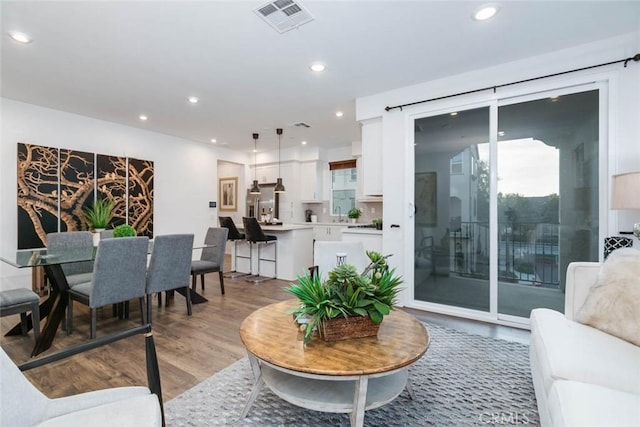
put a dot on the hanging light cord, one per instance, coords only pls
(634, 58)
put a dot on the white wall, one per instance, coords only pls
(185, 172)
(624, 108)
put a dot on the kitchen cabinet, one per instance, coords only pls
(328, 232)
(266, 174)
(310, 182)
(371, 164)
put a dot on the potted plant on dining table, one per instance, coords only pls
(348, 304)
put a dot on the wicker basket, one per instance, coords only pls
(342, 328)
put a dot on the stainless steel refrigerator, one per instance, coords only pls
(265, 203)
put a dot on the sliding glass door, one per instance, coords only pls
(497, 237)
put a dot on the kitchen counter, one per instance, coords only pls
(285, 227)
(362, 231)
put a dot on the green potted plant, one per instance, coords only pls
(377, 222)
(354, 213)
(355, 303)
(124, 230)
(99, 214)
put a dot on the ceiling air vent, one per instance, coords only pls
(284, 15)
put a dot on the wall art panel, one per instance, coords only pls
(112, 184)
(141, 196)
(76, 188)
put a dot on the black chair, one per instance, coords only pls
(234, 236)
(255, 236)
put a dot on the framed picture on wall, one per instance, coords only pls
(228, 194)
(426, 199)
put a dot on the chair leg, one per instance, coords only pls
(149, 306)
(70, 316)
(35, 317)
(194, 278)
(221, 282)
(160, 299)
(23, 324)
(188, 302)
(202, 281)
(94, 321)
(143, 313)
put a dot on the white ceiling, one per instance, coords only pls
(116, 60)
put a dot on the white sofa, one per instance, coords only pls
(581, 375)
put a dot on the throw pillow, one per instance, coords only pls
(613, 303)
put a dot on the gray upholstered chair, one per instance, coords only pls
(20, 301)
(119, 275)
(169, 268)
(212, 258)
(24, 405)
(106, 234)
(75, 272)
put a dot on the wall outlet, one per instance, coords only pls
(373, 210)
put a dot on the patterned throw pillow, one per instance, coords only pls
(613, 303)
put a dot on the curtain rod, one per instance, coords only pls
(635, 58)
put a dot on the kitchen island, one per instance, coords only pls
(294, 250)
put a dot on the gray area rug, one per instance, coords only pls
(462, 380)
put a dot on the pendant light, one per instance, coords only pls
(255, 188)
(279, 188)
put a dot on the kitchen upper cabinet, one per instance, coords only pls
(371, 163)
(266, 174)
(310, 182)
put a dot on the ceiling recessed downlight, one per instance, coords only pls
(317, 67)
(20, 37)
(193, 99)
(213, 140)
(143, 117)
(455, 113)
(339, 114)
(485, 12)
(304, 143)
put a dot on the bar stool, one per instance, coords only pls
(255, 236)
(234, 236)
(14, 301)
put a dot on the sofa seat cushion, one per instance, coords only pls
(141, 410)
(568, 350)
(576, 404)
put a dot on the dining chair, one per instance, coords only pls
(119, 275)
(75, 272)
(20, 301)
(212, 257)
(255, 236)
(169, 268)
(234, 236)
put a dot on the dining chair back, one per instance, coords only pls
(119, 275)
(75, 272)
(212, 257)
(169, 267)
(234, 233)
(234, 236)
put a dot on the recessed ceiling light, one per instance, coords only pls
(454, 114)
(554, 98)
(193, 99)
(20, 37)
(317, 67)
(485, 12)
(254, 150)
(143, 117)
(501, 133)
(304, 143)
(339, 114)
(214, 140)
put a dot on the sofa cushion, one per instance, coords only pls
(572, 403)
(613, 304)
(568, 350)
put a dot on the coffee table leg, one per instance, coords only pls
(259, 382)
(359, 401)
(412, 394)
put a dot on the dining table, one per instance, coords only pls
(54, 306)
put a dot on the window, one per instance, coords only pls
(343, 186)
(456, 164)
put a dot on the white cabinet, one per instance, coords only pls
(371, 164)
(266, 174)
(290, 209)
(328, 232)
(310, 182)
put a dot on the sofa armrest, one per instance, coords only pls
(581, 276)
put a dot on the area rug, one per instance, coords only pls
(462, 380)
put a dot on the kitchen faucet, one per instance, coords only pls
(339, 209)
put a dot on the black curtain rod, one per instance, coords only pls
(635, 58)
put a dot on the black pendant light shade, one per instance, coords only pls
(279, 188)
(255, 188)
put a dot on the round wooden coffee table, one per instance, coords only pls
(348, 376)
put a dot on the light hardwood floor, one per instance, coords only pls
(190, 349)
